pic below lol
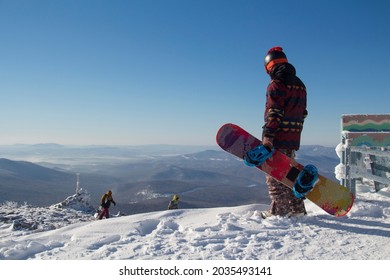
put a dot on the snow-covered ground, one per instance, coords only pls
(231, 233)
(223, 242)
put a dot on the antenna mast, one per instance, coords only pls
(78, 183)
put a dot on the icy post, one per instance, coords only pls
(78, 189)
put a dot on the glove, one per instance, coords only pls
(268, 142)
(114, 203)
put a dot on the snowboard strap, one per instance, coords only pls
(258, 155)
(305, 181)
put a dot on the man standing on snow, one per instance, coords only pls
(284, 116)
(174, 203)
(105, 202)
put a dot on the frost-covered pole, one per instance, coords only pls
(373, 166)
(78, 183)
(347, 158)
(344, 163)
(352, 179)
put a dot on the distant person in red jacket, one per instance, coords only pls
(105, 203)
(284, 115)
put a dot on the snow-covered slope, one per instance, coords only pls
(213, 234)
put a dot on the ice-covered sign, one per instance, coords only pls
(366, 149)
(366, 130)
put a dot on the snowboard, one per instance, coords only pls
(332, 197)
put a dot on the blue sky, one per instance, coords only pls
(172, 72)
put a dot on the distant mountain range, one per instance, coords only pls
(142, 179)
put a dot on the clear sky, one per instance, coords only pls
(173, 71)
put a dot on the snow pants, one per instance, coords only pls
(283, 201)
(104, 213)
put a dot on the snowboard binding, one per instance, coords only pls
(258, 155)
(305, 181)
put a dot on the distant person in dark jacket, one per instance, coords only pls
(105, 203)
(174, 203)
(285, 111)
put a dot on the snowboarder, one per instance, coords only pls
(284, 115)
(174, 203)
(105, 203)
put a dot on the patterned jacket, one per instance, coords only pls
(285, 108)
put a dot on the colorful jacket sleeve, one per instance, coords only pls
(274, 108)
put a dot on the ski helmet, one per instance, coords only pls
(274, 56)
